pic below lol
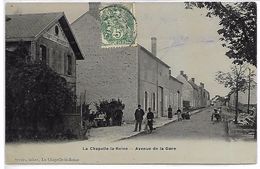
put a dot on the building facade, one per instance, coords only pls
(194, 96)
(48, 38)
(187, 91)
(131, 74)
(157, 88)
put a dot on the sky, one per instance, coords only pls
(186, 39)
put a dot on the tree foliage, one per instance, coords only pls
(236, 80)
(109, 107)
(238, 21)
(36, 96)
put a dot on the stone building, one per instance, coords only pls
(187, 91)
(175, 98)
(194, 96)
(47, 38)
(207, 98)
(204, 96)
(156, 87)
(132, 74)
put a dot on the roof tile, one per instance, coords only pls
(27, 25)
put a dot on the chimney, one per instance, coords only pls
(181, 72)
(186, 77)
(202, 85)
(153, 46)
(94, 9)
(193, 80)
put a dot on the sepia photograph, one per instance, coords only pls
(130, 82)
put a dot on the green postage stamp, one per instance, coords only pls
(118, 26)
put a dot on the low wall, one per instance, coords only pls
(72, 123)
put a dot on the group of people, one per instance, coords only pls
(139, 116)
(180, 115)
(101, 119)
(216, 114)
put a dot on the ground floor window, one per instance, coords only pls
(145, 101)
(153, 102)
(69, 66)
(43, 54)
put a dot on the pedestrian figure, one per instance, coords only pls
(139, 113)
(119, 116)
(85, 129)
(216, 114)
(92, 119)
(108, 119)
(101, 119)
(170, 112)
(179, 114)
(150, 117)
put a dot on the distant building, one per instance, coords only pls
(132, 74)
(196, 93)
(47, 38)
(218, 101)
(187, 91)
(207, 98)
(204, 96)
(194, 96)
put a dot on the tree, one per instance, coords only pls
(36, 97)
(235, 80)
(109, 108)
(238, 21)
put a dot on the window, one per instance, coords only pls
(145, 100)
(154, 101)
(43, 54)
(69, 65)
(56, 30)
(178, 98)
(166, 102)
(28, 59)
(171, 99)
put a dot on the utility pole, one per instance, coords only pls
(249, 81)
(81, 122)
(236, 115)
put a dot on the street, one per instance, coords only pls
(199, 126)
(176, 139)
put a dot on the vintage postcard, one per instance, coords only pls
(131, 83)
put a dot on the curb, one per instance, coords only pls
(142, 132)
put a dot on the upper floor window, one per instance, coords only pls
(43, 54)
(56, 30)
(69, 65)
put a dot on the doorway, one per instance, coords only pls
(160, 101)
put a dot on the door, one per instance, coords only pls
(160, 101)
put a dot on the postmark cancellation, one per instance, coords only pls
(118, 25)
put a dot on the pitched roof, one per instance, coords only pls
(152, 56)
(173, 78)
(193, 85)
(28, 27)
